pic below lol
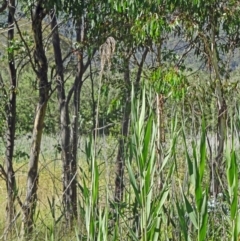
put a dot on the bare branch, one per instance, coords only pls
(140, 65)
(103, 127)
(184, 55)
(89, 60)
(3, 174)
(25, 44)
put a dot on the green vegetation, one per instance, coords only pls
(119, 120)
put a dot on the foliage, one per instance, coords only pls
(170, 83)
(179, 37)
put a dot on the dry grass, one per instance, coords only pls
(49, 188)
(50, 191)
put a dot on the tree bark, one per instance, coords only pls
(120, 162)
(160, 134)
(72, 178)
(69, 172)
(11, 123)
(216, 187)
(222, 118)
(41, 71)
(160, 120)
(218, 170)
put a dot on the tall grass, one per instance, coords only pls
(197, 211)
(232, 181)
(181, 208)
(142, 171)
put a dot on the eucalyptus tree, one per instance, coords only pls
(212, 27)
(89, 36)
(69, 128)
(10, 113)
(38, 10)
(64, 114)
(40, 66)
(147, 26)
(11, 118)
(38, 61)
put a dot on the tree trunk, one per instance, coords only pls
(217, 174)
(68, 202)
(222, 118)
(160, 121)
(93, 103)
(41, 72)
(160, 134)
(72, 178)
(120, 162)
(217, 170)
(11, 122)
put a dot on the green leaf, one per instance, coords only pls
(204, 218)
(147, 139)
(182, 220)
(197, 183)
(191, 212)
(202, 151)
(233, 208)
(133, 183)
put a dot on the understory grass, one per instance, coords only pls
(177, 206)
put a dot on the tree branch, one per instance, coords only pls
(140, 65)
(3, 174)
(26, 46)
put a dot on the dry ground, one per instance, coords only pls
(49, 189)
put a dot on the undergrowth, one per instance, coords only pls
(178, 207)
